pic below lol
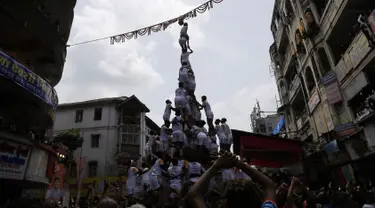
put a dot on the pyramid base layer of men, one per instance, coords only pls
(184, 147)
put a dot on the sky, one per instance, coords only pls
(230, 61)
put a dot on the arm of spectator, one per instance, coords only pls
(256, 176)
(200, 187)
(289, 198)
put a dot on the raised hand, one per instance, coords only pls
(226, 160)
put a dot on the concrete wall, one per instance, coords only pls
(110, 135)
(105, 154)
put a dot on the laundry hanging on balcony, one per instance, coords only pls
(279, 126)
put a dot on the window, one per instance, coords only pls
(270, 129)
(79, 116)
(130, 139)
(95, 140)
(93, 168)
(262, 128)
(98, 114)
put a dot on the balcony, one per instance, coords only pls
(27, 96)
(37, 37)
(303, 119)
(281, 37)
(287, 58)
(329, 14)
(293, 87)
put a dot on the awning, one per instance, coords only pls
(279, 126)
(267, 151)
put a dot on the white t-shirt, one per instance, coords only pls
(207, 109)
(194, 169)
(221, 134)
(167, 111)
(176, 124)
(184, 30)
(131, 182)
(163, 133)
(368, 206)
(156, 169)
(185, 57)
(180, 92)
(175, 174)
(227, 174)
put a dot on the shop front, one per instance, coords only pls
(23, 166)
(362, 157)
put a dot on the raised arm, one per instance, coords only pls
(200, 187)
(267, 183)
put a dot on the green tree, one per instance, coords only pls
(72, 139)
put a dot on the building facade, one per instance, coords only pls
(322, 59)
(113, 129)
(264, 124)
(32, 57)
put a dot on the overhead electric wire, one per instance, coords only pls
(192, 13)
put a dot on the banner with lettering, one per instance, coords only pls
(332, 88)
(13, 159)
(30, 81)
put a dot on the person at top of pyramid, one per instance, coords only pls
(184, 37)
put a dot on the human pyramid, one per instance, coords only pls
(188, 129)
(179, 155)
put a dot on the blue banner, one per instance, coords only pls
(279, 126)
(16, 72)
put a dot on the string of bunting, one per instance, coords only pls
(120, 38)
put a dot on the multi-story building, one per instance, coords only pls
(113, 129)
(264, 123)
(322, 59)
(32, 56)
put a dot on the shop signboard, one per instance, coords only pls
(314, 100)
(371, 21)
(332, 88)
(343, 66)
(27, 79)
(320, 121)
(37, 167)
(345, 129)
(355, 86)
(327, 115)
(359, 49)
(14, 158)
